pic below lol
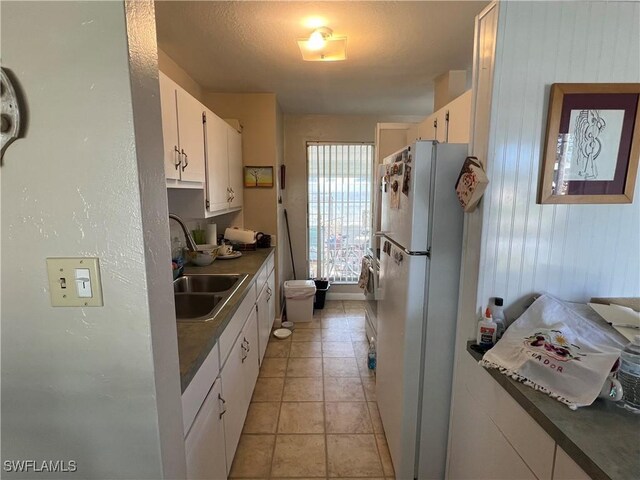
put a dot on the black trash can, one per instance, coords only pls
(321, 293)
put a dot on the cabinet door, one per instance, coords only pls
(460, 119)
(217, 162)
(264, 326)
(234, 142)
(191, 137)
(250, 365)
(271, 285)
(233, 392)
(442, 129)
(426, 129)
(566, 469)
(169, 127)
(204, 443)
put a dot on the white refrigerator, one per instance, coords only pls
(421, 244)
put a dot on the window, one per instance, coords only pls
(339, 209)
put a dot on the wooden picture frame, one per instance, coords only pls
(258, 177)
(592, 146)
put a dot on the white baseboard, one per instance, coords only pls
(346, 296)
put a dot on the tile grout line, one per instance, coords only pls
(275, 438)
(324, 410)
(362, 374)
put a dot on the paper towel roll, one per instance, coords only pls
(212, 234)
(239, 235)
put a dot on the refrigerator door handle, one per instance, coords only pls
(415, 253)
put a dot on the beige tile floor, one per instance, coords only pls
(314, 412)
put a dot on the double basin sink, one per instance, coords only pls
(200, 297)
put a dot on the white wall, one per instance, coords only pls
(175, 72)
(285, 270)
(96, 385)
(299, 129)
(572, 251)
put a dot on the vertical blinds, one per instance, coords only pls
(339, 209)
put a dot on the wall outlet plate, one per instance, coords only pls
(70, 289)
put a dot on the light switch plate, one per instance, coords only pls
(63, 286)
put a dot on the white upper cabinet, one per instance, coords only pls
(172, 158)
(183, 134)
(217, 162)
(224, 165)
(450, 124)
(459, 124)
(234, 146)
(191, 134)
(427, 129)
(442, 125)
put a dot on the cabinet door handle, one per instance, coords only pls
(177, 161)
(269, 292)
(245, 349)
(223, 406)
(186, 160)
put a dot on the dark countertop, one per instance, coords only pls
(602, 438)
(196, 339)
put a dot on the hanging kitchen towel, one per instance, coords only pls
(363, 281)
(555, 349)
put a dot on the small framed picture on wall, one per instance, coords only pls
(592, 146)
(258, 177)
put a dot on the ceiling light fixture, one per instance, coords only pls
(318, 38)
(322, 46)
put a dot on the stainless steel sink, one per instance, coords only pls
(195, 306)
(198, 283)
(199, 298)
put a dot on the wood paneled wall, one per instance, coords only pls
(571, 251)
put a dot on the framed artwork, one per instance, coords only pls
(592, 146)
(257, 177)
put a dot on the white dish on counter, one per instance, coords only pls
(229, 257)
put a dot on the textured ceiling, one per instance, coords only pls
(394, 50)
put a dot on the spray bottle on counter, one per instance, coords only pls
(497, 313)
(487, 330)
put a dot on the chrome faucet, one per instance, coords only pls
(191, 244)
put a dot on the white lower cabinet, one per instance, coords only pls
(566, 469)
(478, 449)
(266, 313)
(204, 444)
(250, 366)
(216, 402)
(271, 283)
(238, 377)
(492, 437)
